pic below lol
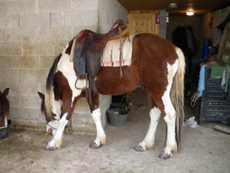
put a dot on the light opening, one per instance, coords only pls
(189, 13)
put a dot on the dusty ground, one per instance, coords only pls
(203, 149)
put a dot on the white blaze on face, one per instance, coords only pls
(67, 68)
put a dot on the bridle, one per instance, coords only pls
(51, 127)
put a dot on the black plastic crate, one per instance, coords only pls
(215, 103)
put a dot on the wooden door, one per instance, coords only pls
(142, 21)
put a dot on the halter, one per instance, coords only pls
(51, 126)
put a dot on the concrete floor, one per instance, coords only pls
(203, 149)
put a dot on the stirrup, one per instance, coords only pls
(85, 84)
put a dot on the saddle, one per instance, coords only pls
(88, 47)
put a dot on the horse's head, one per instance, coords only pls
(52, 124)
(4, 108)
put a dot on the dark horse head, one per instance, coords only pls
(4, 108)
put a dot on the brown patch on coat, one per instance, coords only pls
(150, 56)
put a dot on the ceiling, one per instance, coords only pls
(200, 7)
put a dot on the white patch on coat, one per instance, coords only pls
(172, 69)
(67, 68)
(6, 122)
(169, 110)
(148, 142)
(101, 137)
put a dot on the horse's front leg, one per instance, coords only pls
(56, 142)
(96, 115)
(149, 139)
(101, 137)
(67, 110)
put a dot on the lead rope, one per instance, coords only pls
(194, 98)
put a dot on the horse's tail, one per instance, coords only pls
(177, 96)
(49, 89)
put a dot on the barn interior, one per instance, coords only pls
(32, 35)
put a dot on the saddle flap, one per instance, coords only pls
(93, 59)
(79, 55)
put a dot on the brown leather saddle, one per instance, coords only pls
(88, 48)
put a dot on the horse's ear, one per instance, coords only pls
(41, 95)
(6, 92)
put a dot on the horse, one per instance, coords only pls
(156, 62)
(4, 108)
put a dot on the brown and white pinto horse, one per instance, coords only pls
(156, 62)
(4, 108)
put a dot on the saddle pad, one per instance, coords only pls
(111, 53)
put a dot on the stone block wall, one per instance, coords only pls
(110, 11)
(32, 34)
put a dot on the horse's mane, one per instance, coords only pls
(49, 84)
(4, 106)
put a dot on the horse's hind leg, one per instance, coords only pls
(170, 119)
(169, 114)
(155, 113)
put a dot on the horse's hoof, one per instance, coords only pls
(94, 146)
(50, 132)
(165, 156)
(48, 148)
(70, 132)
(139, 148)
